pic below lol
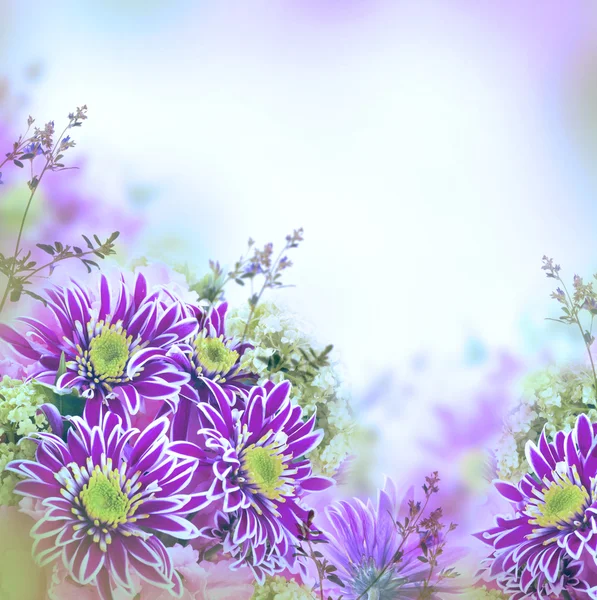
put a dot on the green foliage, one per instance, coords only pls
(68, 401)
(22, 270)
(298, 370)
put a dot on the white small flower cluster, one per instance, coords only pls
(18, 408)
(279, 588)
(274, 330)
(19, 403)
(551, 399)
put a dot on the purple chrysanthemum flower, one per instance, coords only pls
(549, 545)
(364, 546)
(114, 345)
(209, 356)
(107, 491)
(252, 472)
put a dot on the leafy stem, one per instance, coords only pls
(44, 143)
(325, 570)
(33, 185)
(584, 298)
(249, 267)
(320, 568)
(586, 339)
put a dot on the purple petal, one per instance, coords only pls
(509, 491)
(54, 418)
(317, 484)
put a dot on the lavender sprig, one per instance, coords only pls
(252, 265)
(43, 145)
(271, 270)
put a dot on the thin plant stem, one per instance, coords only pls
(319, 570)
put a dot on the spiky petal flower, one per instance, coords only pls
(253, 472)
(114, 344)
(364, 546)
(107, 492)
(549, 544)
(210, 355)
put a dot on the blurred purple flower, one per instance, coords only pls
(364, 546)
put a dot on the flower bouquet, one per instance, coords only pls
(158, 442)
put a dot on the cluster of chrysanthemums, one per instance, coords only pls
(154, 444)
(142, 429)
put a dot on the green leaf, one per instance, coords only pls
(68, 402)
(335, 579)
(15, 294)
(35, 296)
(46, 248)
(61, 368)
(89, 263)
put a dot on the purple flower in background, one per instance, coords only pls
(107, 491)
(364, 545)
(250, 468)
(208, 356)
(549, 545)
(114, 345)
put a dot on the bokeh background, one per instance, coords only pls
(433, 151)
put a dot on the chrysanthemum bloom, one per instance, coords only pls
(114, 345)
(549, 544)
(251, 468)
(363, 547)
(107, 492)
(209, 356)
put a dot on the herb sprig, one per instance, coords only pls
(44, 147)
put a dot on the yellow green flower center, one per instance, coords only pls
(214, 355)
(103, 498)
(109, 352)
(561, 503)
(263, 468)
